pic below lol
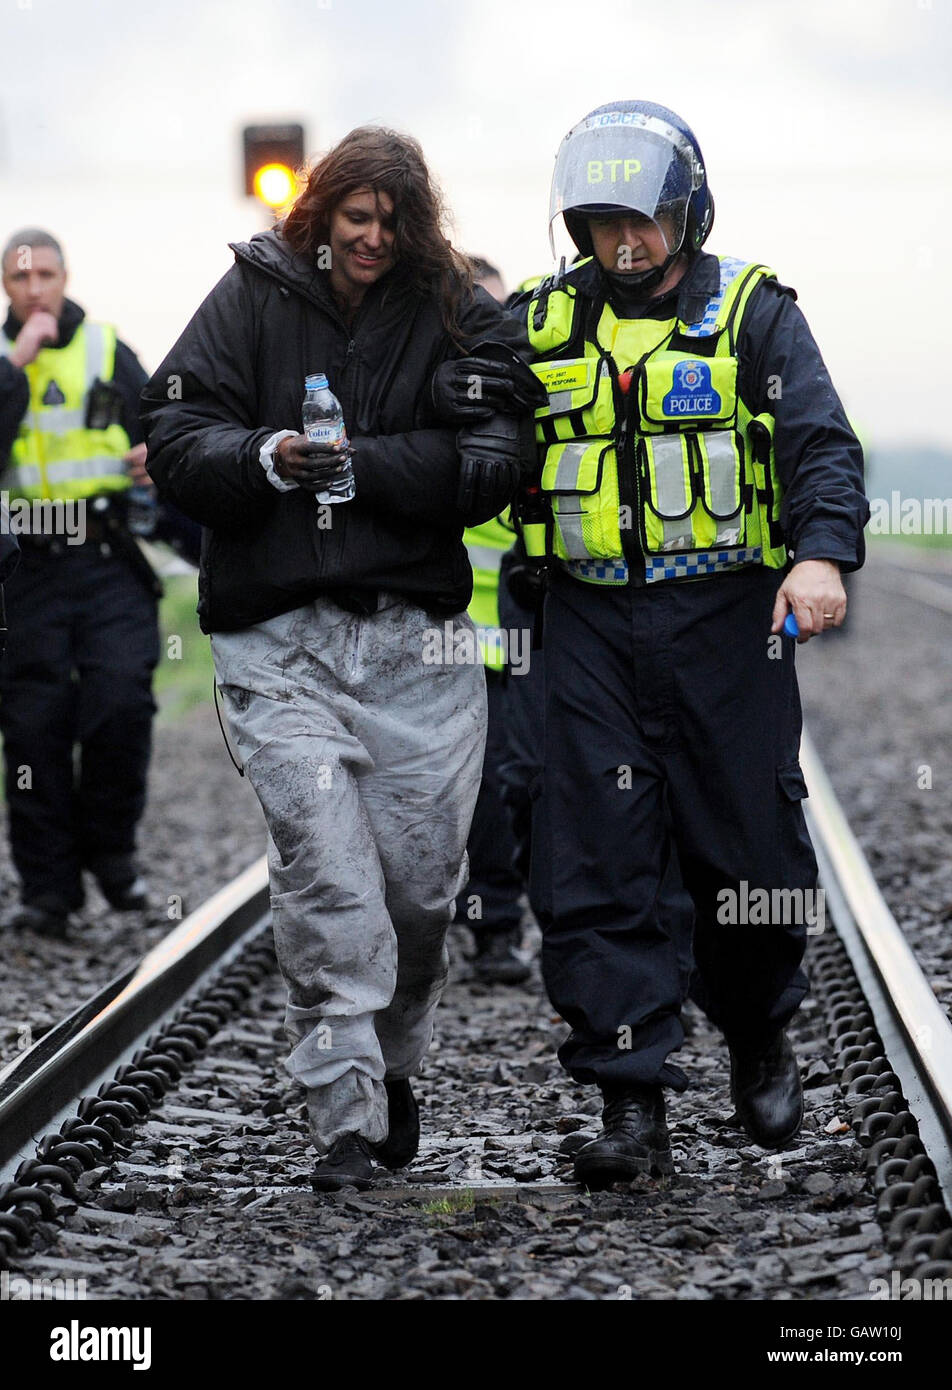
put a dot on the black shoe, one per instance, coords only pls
(403, 1141)
(44, 918)
(132, 896)
(348, 1163)
(634, 1138)
(766, 1091)
(122, 885)
(497, 961)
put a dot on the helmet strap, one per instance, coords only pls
(641, 285)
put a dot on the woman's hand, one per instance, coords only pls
(312, 466)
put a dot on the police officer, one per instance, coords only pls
(489, 904)
(698, 480)
(82, 605)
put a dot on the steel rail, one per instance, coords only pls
(916, 1033)
(42, 1086)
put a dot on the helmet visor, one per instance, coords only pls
(626, 161)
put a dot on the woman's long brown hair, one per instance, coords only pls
(387, 162)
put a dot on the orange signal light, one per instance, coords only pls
(275, 185)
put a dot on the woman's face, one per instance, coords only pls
(361, 240)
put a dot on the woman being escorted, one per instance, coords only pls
(364, 753)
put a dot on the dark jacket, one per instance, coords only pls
(236, 375)
(128, 376)
(819, 459)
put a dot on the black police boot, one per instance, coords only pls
(634, 1138)
(46, 915)
(766, 1091)
(347, 1163)
(132, 896)
(403, 1140)
(497, 961)
(122, 885)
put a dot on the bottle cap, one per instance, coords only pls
(790, 626)
(314, 381)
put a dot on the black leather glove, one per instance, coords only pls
(526, 580)
(490, 466)
(494, 379)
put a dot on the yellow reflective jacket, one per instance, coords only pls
(54, 455)
(651, 465)
(486, 544)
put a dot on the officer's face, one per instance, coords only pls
(34, 278)
(361, 236)
(628, 242)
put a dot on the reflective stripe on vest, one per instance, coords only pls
(698, 476)
(54, 455)
(486, 544)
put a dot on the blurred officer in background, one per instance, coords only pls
(692, 447)
(489, 904)
(82, 606)
(9, 559)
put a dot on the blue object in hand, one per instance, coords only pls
(790, 626)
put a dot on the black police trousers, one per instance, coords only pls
(671, 715)
(520, 774)
(490, 900)
(82, 646)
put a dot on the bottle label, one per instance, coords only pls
(326, 432)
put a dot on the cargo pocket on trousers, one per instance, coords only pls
(797, 860)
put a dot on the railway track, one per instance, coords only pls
(184, 1169)
(917, 573)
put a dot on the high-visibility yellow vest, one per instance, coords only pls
(55, 455)
(674, 478)
(486, 545)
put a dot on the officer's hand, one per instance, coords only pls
(312, 466)
(39, 329)
(490, 466)
(814, 590)
(527, 583)
(474, 388)
(135, 458)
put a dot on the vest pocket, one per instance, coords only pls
(669, 491)
(577, 467)
(580, 399)
(680, 392)
(584, 511)
(721, 468)
(692, 487)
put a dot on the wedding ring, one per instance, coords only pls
(828, 615)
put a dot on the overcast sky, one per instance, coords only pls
(825, 127)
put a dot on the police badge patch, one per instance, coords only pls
(691, 392)
(53, 395)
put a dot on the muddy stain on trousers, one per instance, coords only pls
(366, 762)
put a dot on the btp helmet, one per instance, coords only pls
(633, 156)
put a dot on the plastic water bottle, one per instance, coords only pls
(324, 424)
(142, 510)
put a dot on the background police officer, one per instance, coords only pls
(83, 623)
(692, 445)
(489, 904)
